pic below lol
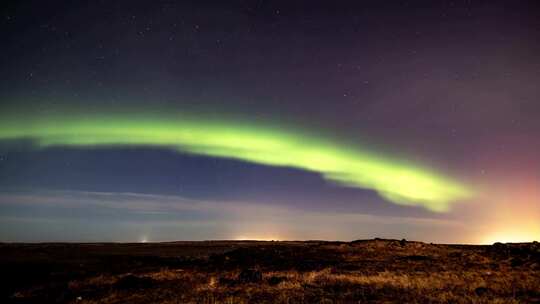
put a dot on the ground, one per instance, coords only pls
(368, 271)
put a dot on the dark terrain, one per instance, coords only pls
(371, 271)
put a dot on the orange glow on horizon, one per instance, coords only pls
(512, 236)
(513, 215)
(257, 238)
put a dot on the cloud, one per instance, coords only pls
(179, 218)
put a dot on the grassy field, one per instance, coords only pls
(371, 271)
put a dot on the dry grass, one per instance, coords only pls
(366, 272)
(325, 286)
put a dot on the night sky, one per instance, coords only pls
(286, 120)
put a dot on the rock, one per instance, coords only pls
(498, 246)
(500, 249)
(516, 262)
(417, 258)
(134, 282)
(227, 281)
(274, 280)
(250, 276)
(481, 291)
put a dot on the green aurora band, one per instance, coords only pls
(396, 181)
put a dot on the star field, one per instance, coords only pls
(402, 119)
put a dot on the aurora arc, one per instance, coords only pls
(396, 181)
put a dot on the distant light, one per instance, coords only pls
(257, 238)
(144, 239)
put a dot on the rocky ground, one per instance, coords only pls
(370, 271)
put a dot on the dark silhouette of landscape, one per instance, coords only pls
(364, 271)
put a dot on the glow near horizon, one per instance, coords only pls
(395, 181)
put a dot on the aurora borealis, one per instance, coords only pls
(396, 182)
(164, 121)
